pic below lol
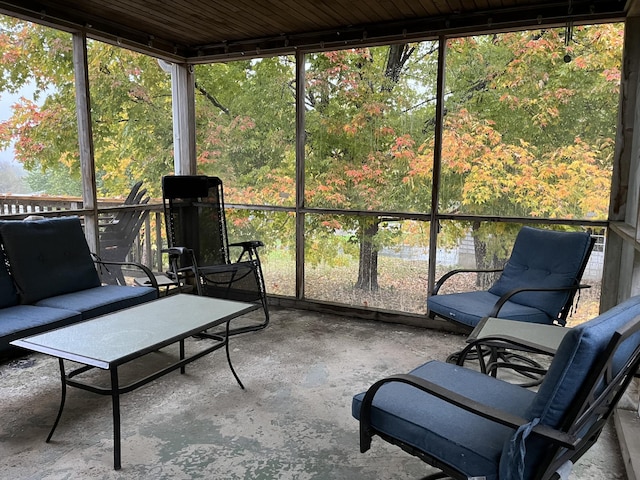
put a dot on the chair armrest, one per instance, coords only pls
(450, 274)
(147, 271)
(504, 298)
(176, 272)
(176, 251)
(249, 246)
(486, 411)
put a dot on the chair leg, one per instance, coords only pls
(257, 271)
(473, 352)
(254, 328)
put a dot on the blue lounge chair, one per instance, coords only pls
(471, 425)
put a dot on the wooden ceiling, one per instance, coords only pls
(204, 30)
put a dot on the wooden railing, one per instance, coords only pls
(34, 204)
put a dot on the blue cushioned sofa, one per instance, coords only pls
(48, 279)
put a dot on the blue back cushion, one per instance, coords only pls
(8, 294)
(543, 258)
(48, 257)
(580, 349)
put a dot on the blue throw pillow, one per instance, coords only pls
(48, 257)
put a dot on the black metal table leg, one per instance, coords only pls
(226, 341)
(182, 369)
(63, 397)
(115, 397)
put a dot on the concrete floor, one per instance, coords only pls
(293, 421)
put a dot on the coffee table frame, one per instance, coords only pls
(43, 343)
(495, 343)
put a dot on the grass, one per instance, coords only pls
(402, 285)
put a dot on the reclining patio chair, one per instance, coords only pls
(538, 283)
(199, 250)
(471, 425)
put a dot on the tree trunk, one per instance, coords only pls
(397, 57)
(484, 281)
(368, 264)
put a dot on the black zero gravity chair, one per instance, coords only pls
(199, 249)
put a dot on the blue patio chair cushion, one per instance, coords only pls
(574, 359)
(48, 257)
(93, 302)
(543, 258)
(8, 293)
(469, 307)
(447, 432)
(23, 320)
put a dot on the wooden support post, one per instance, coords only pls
(624, 207)
(437, 162)
(85, 138)
(300, 173)
(184, 119)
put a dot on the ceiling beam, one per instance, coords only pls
(481, 22)
(109, 30)
(96, 28)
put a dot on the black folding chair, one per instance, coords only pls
(199, 249)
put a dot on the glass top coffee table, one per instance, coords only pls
(112, 340)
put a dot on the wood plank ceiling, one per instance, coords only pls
(204, 30)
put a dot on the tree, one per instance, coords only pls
(11, 178)
(131, 111)
(245, 115)
(525, 135)
(550, 123)
(359, 101)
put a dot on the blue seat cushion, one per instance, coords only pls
(24, 320)
(544, 259)
(8, 293)
(469, 307)
(48, 257)
(450, 434)
(101, 300)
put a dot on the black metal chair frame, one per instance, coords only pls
(185, 262)
(495, 353)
